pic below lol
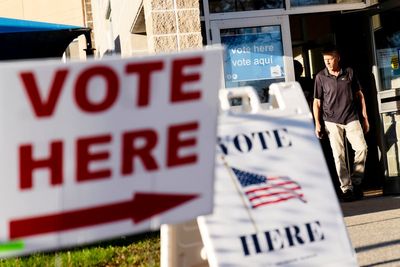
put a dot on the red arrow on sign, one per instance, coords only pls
(141, 207)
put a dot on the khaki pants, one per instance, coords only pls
(355, 135)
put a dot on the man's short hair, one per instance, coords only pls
(330, 49)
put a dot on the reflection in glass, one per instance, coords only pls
(253, 57)
(201, 8)
(392, 144)
(387, 41)
(322, 2)
(221, 6)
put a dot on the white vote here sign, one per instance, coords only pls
(275, 204)
(102, 148)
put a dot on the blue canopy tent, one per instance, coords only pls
(24, 39)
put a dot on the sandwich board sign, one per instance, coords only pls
(103, 148)
(274, 202)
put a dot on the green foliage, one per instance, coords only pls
(141, 251)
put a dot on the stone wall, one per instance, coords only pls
(88, 17)
(172, 25)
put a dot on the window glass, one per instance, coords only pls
(322, 2)
(218, 6)
(203, 32)
(201, 8)
(387, 41)
(253, 57)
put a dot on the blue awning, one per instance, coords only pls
(8, 25)
(24, 39)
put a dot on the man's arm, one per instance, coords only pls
(317, 117)
(361, 99)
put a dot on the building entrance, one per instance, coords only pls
(260, 49)
(351, 33)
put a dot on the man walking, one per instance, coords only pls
(337, 98)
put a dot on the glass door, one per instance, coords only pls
(257, 52)
(387, 71)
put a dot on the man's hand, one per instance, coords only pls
(318, 131)
(365, 125)
(317, 116)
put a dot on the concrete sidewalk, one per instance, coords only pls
(374, 228)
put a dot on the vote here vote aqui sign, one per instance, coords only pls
(102, 148)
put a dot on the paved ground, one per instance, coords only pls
(374, 229)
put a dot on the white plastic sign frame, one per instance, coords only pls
(275, 203)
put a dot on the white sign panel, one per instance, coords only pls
(275, 204)
(103, 148)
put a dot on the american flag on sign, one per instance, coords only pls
(262, 190)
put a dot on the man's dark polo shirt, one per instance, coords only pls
(337, 95)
